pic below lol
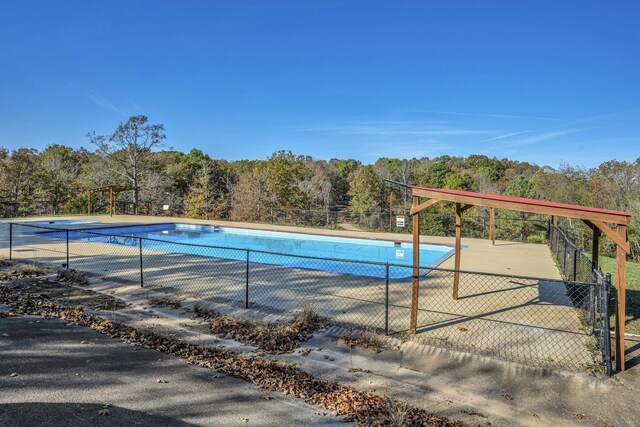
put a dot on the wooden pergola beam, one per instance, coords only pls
(422, 206)
(416, 270)
(492, 225)
(110, 201)
(519, 206)
(621, 283)
(620, 240)
(456, 273)
(113, 191)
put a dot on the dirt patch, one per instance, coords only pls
(366, 409)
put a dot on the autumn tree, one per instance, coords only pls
(55, 174)
(128, 148)
(365, 191)
(16, 171)
(249, 196)
(208, 197)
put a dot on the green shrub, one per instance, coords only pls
(534, 238)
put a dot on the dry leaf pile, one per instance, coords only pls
(26, 272)
(366, 339)
(72, 276)
(165, 302)
(271, 337)
(364, 408)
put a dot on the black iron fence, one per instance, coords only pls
(525, 319)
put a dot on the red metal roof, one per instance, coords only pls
(523, 200)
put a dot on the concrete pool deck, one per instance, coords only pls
(520, 320)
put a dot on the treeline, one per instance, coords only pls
(297, 189)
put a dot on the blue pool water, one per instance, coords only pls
(276, 248)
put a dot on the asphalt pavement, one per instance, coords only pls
(54, 374)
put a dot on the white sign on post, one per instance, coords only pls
(165, 207)
(400, 221)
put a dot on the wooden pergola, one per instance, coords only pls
(113, 191)
(599, 220)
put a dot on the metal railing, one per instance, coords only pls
(538, 321)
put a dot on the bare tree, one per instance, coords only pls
(128, 148)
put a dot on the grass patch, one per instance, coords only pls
(632, 315)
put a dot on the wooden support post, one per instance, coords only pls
(595, 247)
(416, 270)
(456, 274)
(492, 225)
(554, 234)
(89, 204)
(110, 201)
(621, 281)
(137, 209)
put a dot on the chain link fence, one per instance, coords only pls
(574, 265)
(537, 321)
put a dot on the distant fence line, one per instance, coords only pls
(509, 226)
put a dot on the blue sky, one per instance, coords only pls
(541, 81)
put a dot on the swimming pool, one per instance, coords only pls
(366, 257)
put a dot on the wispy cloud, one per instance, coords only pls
(540, 137)
(394, 128)
(97, 99)
(491, 115)
(505, 135)
(102, 102)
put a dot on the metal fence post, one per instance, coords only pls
(67, 247)
(564, 258)
(141, 267)
(592, 306)
(575, 263)
(246, 289)
(386, 303)
(10, 241)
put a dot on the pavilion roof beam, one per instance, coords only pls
(521, 206)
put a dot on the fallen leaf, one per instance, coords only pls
(244, 420)
(162, 381)
(13, 374)
(104, 412)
